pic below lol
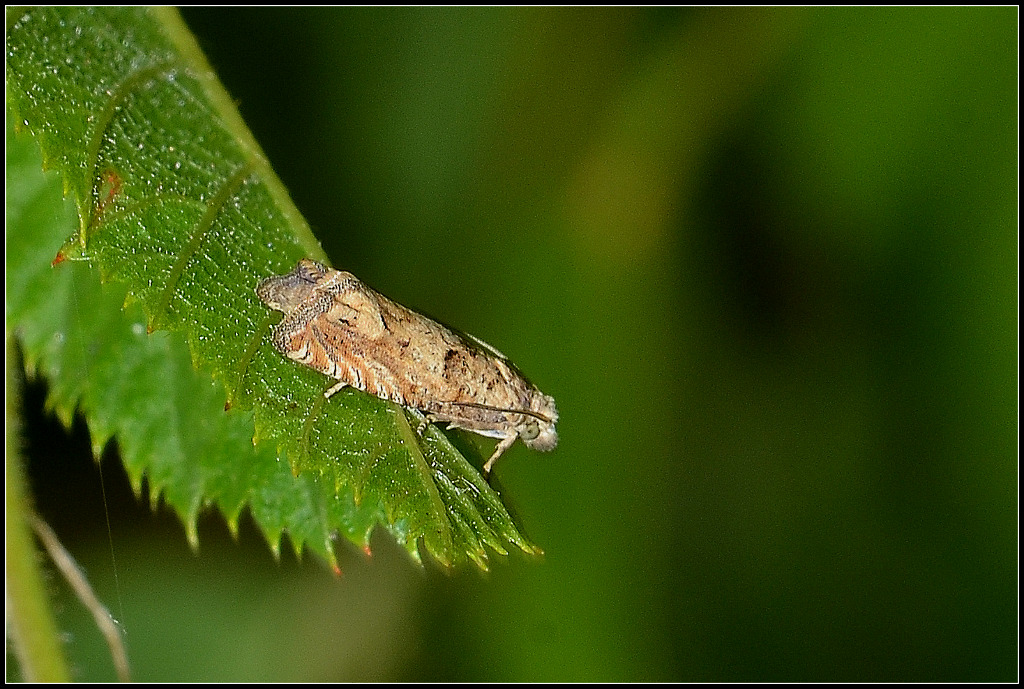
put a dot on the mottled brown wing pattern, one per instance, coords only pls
(338, 326)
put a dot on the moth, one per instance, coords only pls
(335, 324)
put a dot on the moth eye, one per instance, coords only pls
(530, 431)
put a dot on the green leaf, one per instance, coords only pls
(178, 213)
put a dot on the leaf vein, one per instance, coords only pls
(199, 232)
(247, 355)
(119, 95)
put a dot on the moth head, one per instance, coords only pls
(538, 430)
(285, 292)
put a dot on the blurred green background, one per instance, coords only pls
(766, 262)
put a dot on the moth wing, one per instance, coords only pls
(476, 343)
(490, 349)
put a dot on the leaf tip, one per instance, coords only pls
(192, 533)
(413, 549)
(232, 522)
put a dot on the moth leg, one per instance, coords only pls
(334, 388)
(505, 443)
(422, 427)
